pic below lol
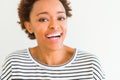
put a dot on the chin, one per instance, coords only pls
(56, 47)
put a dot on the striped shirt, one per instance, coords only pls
(20, 65)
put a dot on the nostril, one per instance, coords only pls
(54, 27)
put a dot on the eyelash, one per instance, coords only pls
(45, 19)
(61, 18)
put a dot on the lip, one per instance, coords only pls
(54, 36)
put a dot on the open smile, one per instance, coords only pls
(54, 36)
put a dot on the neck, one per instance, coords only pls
(52, 57)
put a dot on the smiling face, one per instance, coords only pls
(48, 23)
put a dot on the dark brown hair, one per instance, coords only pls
(24, 10)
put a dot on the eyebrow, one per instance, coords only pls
(48, 13)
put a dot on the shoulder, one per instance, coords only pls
(19, 52)
(86, 58)
(94, 61)
(85, 55)
(11, 59)
(16, 55)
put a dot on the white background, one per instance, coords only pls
(94, 27)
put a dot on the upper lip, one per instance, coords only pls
(53, 34)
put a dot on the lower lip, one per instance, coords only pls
(55, 39)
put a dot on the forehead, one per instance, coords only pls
(48, 5)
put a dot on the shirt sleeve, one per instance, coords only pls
(6, 69)
(98, 73)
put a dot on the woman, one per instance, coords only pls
(46, 21)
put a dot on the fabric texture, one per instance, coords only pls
(20, 65)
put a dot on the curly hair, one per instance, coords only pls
(25, 8)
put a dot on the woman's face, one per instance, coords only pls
(48, 23)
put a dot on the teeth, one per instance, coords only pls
(53, 35)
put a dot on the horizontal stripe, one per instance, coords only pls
(21, 66)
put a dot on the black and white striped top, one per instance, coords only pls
(20, 65)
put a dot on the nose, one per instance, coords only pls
(53, 25)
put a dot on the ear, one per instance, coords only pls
(28, 27)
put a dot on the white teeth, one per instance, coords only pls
(53, 35)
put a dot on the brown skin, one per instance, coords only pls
(48, 17)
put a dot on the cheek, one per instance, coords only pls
(39, 30)
(40, 27)
(65, 27)
(64, 30)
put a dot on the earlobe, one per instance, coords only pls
(28, 27)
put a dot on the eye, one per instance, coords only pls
(61, 18)
(43, 20)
